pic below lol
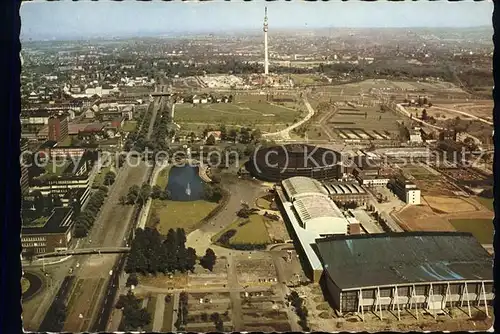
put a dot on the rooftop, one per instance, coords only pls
(300, 186)
(355, 261)
(57, 222)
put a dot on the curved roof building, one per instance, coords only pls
(281, 162)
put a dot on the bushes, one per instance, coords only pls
(300, 309)
(224, 238)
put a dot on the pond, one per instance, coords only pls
(185, 184)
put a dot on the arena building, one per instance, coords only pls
(406, 272)
(278, 163)
(310, 214)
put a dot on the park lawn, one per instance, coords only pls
(151, 310)
(482, 229)
(167, 316)
(234, 113)
(162, 179)
(486, 202)
(129, 126)
(304, 79)
(25, 285)
(178, 214)
(248, 231)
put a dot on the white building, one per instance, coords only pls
(406, 190)
(312, 215)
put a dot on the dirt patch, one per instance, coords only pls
(449, 204)
(422, 218)
(176, 281)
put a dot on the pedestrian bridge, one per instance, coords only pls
(85, 251)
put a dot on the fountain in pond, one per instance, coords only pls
(185, 184)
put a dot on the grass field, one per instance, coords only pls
(167, 316)
(248, 231)
(151, 310)
(486, 202)
(174, 214)
(237, 113)
(129, 126)
(25, 284)
(162, 179)
(482, 229)
(305, 79)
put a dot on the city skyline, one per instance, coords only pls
(67, 20)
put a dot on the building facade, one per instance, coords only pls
(406, 190)
(57, 128)
(435, 271)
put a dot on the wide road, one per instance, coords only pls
(112, 229)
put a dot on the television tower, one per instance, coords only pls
(266, 59)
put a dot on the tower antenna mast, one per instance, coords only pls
(266, 58)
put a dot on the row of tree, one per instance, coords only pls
(300, 309)
(242, 135)
(150, 254)
(134, 315)
(85, 219)
(182, 314)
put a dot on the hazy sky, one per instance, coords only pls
(65, 19)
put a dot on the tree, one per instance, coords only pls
(156, 192)
(210, 140)
(132, 280)
(122, 200)
(133, 194)
(109, 178)
(208, 260)
(424, 115)
(144, 193)
(190, 259)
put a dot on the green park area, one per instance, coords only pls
(482, 229)
(178, 214)
(486, 202)
(25, 285)
(38, 222)
(239, 113)
(305, 79)
(129, 126)
(167, 214)
(244, 231)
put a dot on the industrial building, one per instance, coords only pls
(406, 190)
(406, 272)
(347, 192)
(310, 214)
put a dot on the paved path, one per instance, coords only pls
(158, 316)
(285, 133)
(232, 280)
(464, 113)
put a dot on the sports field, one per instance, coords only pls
(243, 113)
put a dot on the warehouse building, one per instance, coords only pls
(406, 272)
(347, 192)
(310, 214)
